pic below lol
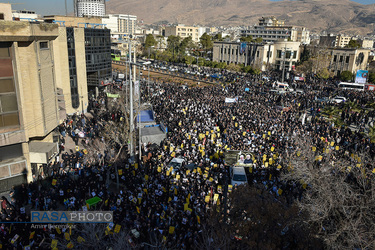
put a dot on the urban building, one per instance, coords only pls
(28, 104)
(97, 46)
(182, 31)
(349, 59)
(342, 41)
(367, 43)
(119, 23)
(270, 30)
(6, 12)
(89, 8)
(25, 15)
(263, 56)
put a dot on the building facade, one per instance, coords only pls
(348, 59)
(28, 104)
(121, 24)
(182, 31)
(270, 30)
(89, 8)
(263, 56)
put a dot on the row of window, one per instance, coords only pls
(341, 58)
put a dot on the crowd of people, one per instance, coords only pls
(171, 206)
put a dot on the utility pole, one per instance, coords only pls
(131, 99)
(66, 9)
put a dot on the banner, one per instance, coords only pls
(109, 95)
(361, 76)
(243, 48)
(231, 100)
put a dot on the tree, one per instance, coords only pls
(206, 42)
(234, 67)
(173, 43)
(150, 41)
(353, 44)
(340, 193)
(259, 40)
(247, 39)
(256, 220)
(346, 76)
(371, 77)
(324, 73)
(305, 55)
(218, 37)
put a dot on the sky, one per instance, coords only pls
(53, 7)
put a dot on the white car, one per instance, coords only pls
(238, 176)
(338, 99)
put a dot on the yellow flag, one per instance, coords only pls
(159, 169)
(186, 206)
(236, 124)
(272, 149)
(207, 199)
(270, 177)
(146, 177)
(167, 173)
(199, 219)
(244, 133)
(171, 230)
(178, 177)
(332, 143)
(266, 165)
(264, 136)
(58, 230)
(269, 133)
(70, 245)
(53, 243)
(337, 147)
(136, 165)
(54, 181)
(67, 236)
(120, 172)
(117, 228)
(233, 118)
(31, 235)
(373, 171)
(80, 239)
(280, 191)
(313, 149)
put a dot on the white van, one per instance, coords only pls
(238, 176)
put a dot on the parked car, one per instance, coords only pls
(338, 99)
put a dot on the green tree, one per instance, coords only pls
(346, 76)
(218, 37)
(173, 44)
(234, 67)
(371, 77)
(259, 40)
(206, 42)
(150, 41)
(247, 39)
(305, 55)
(353, 44)
(189, 60)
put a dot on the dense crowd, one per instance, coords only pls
(172, 206)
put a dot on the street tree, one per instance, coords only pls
(248, 39)
(173, 44)
(371, 77)
(346, 76)
(206, 42)
(150, 41)
(340, 193)
(353, 44)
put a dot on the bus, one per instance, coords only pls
(115, 57)
(351, 86)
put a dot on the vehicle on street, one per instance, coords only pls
(176, 164)
(238, 176)
(338, 99)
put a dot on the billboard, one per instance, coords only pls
(243, 48)
(361, 76)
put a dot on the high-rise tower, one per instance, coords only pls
(89, 8)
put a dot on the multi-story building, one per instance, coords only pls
(348, 59)
(263, 56)
(121, 24)
(6, 12)
(97, 46)
(270, 29)
(28, 103)
(342, 41)
(25, 15)
(89, 8)
(182, 31)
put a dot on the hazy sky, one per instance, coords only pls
(51, 7)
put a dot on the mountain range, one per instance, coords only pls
(333, 16)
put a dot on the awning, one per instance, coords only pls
(42, 152)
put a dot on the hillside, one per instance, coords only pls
(318, 15)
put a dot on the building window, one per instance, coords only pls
(347, 59)
(8, 104)
(279, 53)
(335, 58)
(341, 58)
(43, 45)
(1, 16)
(258, 53)
(295, 54)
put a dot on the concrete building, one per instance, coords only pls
(28, 104)
(6, 12)
(182, 31)
(270, 30)
(348, 59)
(342, 41)
(97, 47)
(367, 43)
(25, 15)
(263, 56)
(71, 78)
(89, 8)
(121, 24)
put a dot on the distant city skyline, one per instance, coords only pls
(57, 7)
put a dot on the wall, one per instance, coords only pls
(6, 9)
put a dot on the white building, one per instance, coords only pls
(119, 23)
(24, 15)
(89, 8)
